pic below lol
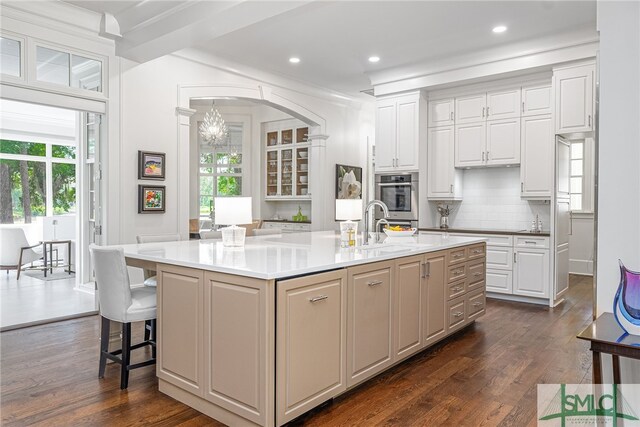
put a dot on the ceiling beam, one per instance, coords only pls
(198, 22)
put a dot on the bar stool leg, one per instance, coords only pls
(104, 345)
(126, 355)
(147, 329)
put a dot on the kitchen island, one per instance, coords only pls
(262, 334)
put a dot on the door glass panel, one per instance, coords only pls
(93, 124)
(287, 173)
(576, 202)
(229, 186)
(576, 184)
(52, 66)
(86, 73)
(287, 136)
(10, 57)
(272, 173)
(64, 188)
(576, 167)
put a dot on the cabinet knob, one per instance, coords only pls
(318, 298)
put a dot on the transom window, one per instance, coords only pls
(68, 69)
(220, 169)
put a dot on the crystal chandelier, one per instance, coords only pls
(213, 129)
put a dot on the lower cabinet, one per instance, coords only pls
(180, 322)
(531, 273)
(369, 343)
(408, 306)
(435, 297)
(310, 342)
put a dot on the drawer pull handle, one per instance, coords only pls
(457, 289)
(456, 272)
(530, 242)
(458, 255)
(375, 283)
(458, 314)
(318, 298)
(477, 274)
(477, 304)
(477, 251)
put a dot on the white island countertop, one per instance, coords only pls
(287, 255)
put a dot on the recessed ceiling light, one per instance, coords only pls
(374, 58)
(294, 60)
(499, 29)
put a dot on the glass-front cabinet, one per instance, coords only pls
(287, 163)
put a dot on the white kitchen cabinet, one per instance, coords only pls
(503, 104)
(503, 142)
(434, 298)
(536, 164)
(490, 143)
(369, 320)
(536, 100)
(531, 272)
(398, 133)
(471, 108)
(574, 98)
(499, 281)
(441, 112)
(443, 181)
(470, 144)
(311, 338)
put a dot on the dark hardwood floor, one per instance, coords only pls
(484, 375)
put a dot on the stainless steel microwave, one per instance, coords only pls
(399, 191)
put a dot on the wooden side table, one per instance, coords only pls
(48, 261)
(606, 336)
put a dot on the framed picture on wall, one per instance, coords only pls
(151, 198)
(348, 182)
(151, 165)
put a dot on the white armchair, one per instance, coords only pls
(15, 251)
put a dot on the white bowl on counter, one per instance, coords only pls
(406, 233)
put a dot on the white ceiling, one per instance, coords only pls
(334, 38)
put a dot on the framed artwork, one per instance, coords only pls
(151, 165)
(348, 182)
(151, 198)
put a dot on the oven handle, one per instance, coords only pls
(393, 184)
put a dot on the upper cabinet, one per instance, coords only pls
(398, 133)
(441, 112)
(470, 109)
(574, 98)
(491, 143)
(503, 104)
(537, 165)
(536, 100)
(443, 181)
(286, 161)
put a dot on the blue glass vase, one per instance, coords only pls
(626, 304)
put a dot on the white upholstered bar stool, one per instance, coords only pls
(120, 303)
(150, 278)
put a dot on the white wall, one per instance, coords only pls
(148, 122)
(619, 155)
(491, 200)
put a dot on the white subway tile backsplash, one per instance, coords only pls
(491, 199)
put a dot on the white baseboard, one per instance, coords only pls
(583, 267)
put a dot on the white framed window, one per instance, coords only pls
(220, 169)
(11, 63)
(581, 176)
(61, 67)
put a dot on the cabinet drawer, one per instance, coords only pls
(272, 225)
(457, 255)
(456, 289)
(499, 257)
(476, 251)
(456, 313)
(457, 272)
(492, 239)
(302, 227)
(532, 242)
(475, 271)
(475, 305)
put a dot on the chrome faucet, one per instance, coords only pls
(385, 212)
